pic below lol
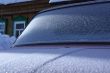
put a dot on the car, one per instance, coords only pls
(72, 38)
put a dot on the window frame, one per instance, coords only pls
(19, 22)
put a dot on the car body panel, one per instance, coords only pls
(78, 59)
(59, 41)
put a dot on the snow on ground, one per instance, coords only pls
(6, 41)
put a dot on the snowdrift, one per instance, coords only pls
(6, 41)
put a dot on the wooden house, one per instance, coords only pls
(14, 17)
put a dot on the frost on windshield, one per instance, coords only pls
(71, 24)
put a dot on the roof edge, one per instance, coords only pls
(74, 5)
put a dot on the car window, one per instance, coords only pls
(81, 23)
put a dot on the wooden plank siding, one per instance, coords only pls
(27, 9)
(24, 7)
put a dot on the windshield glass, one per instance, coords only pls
(84, 23)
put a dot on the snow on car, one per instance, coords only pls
(54, 1)
(73, 38)
(55, 60)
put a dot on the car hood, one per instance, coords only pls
(55, 60)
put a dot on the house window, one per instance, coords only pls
(2, 27)
(19, 27)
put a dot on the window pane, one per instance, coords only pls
(17, 33)
(2, 26)
(21, 31)
(19, 26)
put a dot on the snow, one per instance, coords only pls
(6, 41)
(52, 1)
(27, 60)
(86, 61)
(12, 1)
(55, 60)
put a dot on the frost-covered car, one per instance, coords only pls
(73, 38)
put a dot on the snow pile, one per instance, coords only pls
(6, 41)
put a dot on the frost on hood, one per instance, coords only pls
(86, 61)
(37, 60)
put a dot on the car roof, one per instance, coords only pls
(74, 5)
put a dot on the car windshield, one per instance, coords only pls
(74, 23)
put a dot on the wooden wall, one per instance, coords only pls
(27, 9)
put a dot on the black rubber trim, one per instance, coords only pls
(65, 43)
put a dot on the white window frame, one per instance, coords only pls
(3, 30)
(18, 22)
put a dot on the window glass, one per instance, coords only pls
(71, 24)
(20, 26)
(2, 27)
